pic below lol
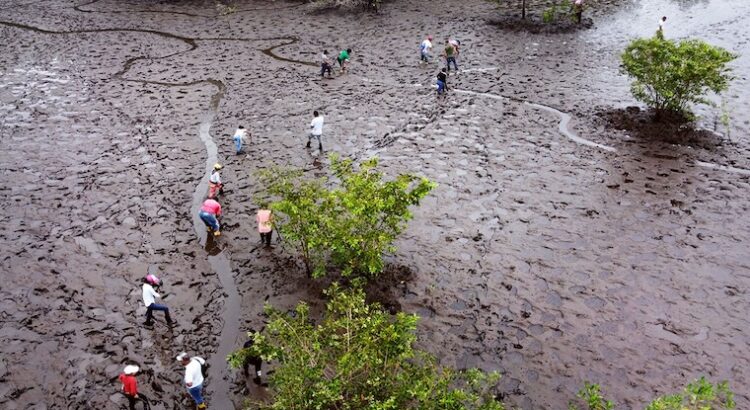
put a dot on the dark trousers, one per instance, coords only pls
(150, 312)
(256, 362)
(133, 400)
(266, 238)
(449, 60)
(325, 68)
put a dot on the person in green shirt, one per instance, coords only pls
(343, 59)
(450, 55)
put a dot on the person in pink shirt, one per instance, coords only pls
(210, 212)
(265, 224)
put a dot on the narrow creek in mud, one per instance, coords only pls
(555, 249)
(220, 261)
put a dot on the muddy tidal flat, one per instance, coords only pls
(559, 246)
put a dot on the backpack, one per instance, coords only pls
(204, 365)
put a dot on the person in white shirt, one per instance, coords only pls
(316, 130)
(662, 23)
(193, 377)
(325, 65)
(425, 48)
(239, 138)
(215, 187)
(149, 299)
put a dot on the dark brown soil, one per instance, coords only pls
(614, 258)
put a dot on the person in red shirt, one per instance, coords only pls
(130, 386)
(210, 211)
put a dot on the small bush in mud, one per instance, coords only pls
(359, 357)
(373, 5)
(349, 219)
(670, 75)
(698, 395)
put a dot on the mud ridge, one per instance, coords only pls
(79, 8)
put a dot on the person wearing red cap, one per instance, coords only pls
(425, 49)
(149, 299)
(130, 387)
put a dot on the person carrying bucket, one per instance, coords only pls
(215, 187)
(209, 214)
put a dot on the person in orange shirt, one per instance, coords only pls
(265, 224)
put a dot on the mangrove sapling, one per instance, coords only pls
(359, 357)
(348, 220)
(670, 75)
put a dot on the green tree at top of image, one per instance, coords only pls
(349, 219)
(670, 75)
(359, 357)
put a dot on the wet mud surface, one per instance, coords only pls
(559, 246)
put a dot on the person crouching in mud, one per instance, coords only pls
(209, 214)
(215, 187)
(343, 59)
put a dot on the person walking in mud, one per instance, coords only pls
(264, 217)
(210, 213)
(424, 50)
(316, 131)
(149, 299)
(256, 361)
(215, 187)
(325, 65)
(578, 10)
(660, 30)
(194, 377)
(343, 59)
(442, 81)
(239, 138)
(130, 387)
(450, 55)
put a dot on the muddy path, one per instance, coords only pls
(555, 249)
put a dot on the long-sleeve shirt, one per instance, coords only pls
(149, 295)
(215, 178)
(193, 372)
(212, 207)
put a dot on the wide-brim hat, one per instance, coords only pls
(182, 356)
(131, 369)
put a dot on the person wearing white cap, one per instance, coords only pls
(193, 377)
(130, 387)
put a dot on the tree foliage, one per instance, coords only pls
(359, 357)
(670, 75)
(349, 219)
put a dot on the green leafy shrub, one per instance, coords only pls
(349, 219)
(670, 75)
(591, 395)
(359, 357)
(699, 395)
